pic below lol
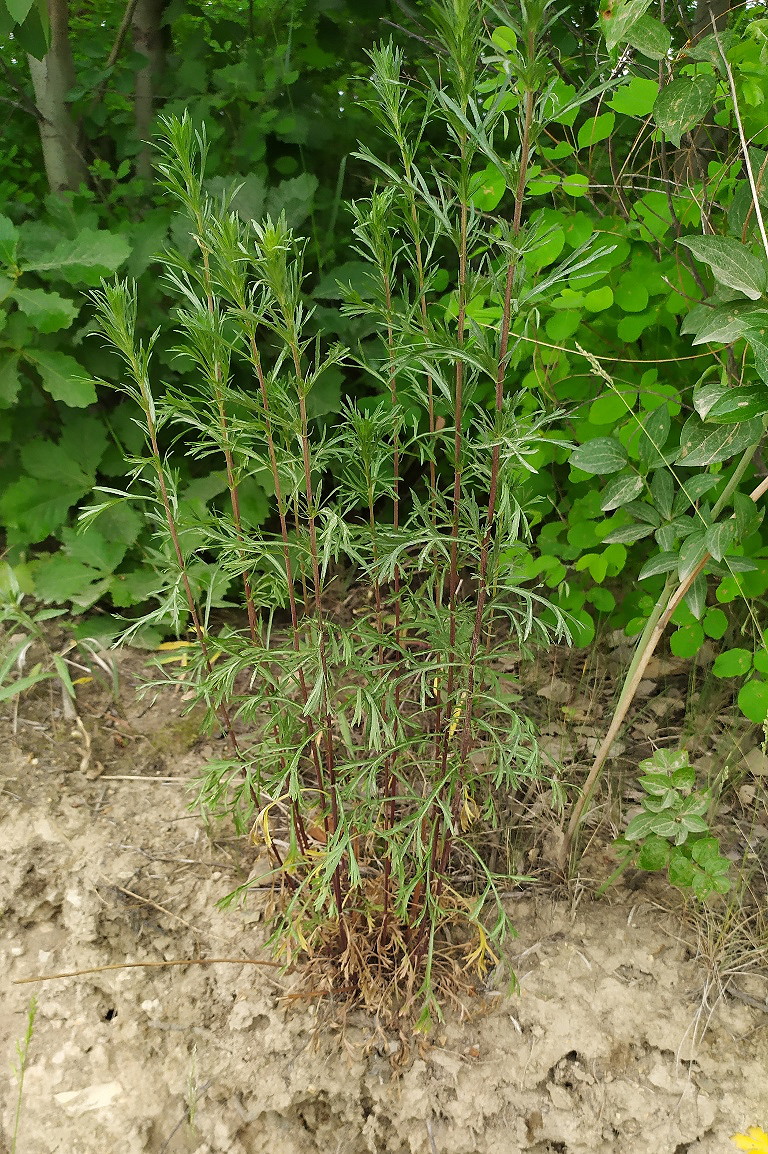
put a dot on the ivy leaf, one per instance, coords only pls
(653, 437)
(600, 456)
(702, 445)
(663, 492)
(640, 826)
(739, 404)
(628, 534)
(650, 37)
(48, 311)
(731, 262)
(692, 552)
(661, 563)
(719, 538)
(724, 324)
(682, 104)
(63, 377)
(696, 600)
(91, 256)
(620, 490)
(706, 395)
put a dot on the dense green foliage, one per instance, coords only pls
(640, 163)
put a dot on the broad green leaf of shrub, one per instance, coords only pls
(753, 700)
(731, 262)
(687, 641)
(91, 256)
(665, 760)
(715, 623)
(9, 240)
(681, 869)
(631, 294)
(682, 104)
(595, 563)
(295, 197)
(628, 534)
(576, 184)
(650, 37)
(610, 408)
(487, 188)
(61, 578)
(594, 130)
(34, 509)
(504, 38)
(636, 98)
(640, 826)
(10, 381)
(732, 663)
(63, 377)
(706, 394)
(47, 311)
(654, 854)
(18, 10)
(692, 490)
(601, 456)
(619, 18)
(353, 274)
(702, 445)
(93, 548)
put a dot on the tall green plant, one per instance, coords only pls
(368, 755)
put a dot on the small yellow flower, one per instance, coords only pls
(755, 1140)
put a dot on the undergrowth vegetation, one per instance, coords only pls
(533, 439)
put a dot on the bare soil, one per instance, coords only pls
(604, 1049)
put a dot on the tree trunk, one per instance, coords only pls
(52, 79)
(149, 40)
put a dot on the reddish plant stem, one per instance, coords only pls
(221, 710)
(234, 496)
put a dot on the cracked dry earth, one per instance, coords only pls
(102, 863)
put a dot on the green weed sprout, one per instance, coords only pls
(672, 832)
(20, 1069)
